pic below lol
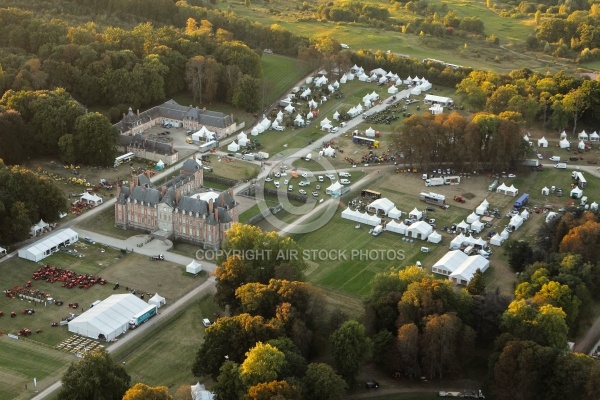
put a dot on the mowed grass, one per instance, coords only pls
(22, 360)
(164, 355)
(104, 222)
(232, 168)
(281, 74)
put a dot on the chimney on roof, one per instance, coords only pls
(123, 115)
(163, 190)
(177, 195)
(138, 112)
(217, 214)
(210, 206)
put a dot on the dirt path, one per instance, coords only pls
(590, 340)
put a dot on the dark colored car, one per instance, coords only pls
(372, 385)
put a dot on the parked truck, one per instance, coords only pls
(521, 201)
(208, 145)
(451, 180)
(143, 316)
(434, 182)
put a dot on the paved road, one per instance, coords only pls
(206, 287)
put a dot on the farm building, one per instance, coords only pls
(109, 319)
(49, 245)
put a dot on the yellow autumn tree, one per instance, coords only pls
(140, 391)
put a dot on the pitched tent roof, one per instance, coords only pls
(457, 241)
(384, 204)
(415, 213)
(200, 393)
(194, 267)
(435, 237)
(396, 227)
(497, 240)
(394, 213)
(472, 218)
(109, 318)
(49, 245)
(449, 262)
(157, 300)
(419, 230)
(477, 226)
(464, 273)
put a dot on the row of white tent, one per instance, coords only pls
(388, 208)
(482, 208)
(565, 144)
(327, 152)
(507, 190)
(583, 135)
(461, 240)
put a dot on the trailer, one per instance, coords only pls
(208, 145)
(451, 180)
(493, 186)
(433, 198)
(434, 182)
(521, 201)
(143, 316)
(533, 162)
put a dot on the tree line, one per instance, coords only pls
(484, 141)
(25, 198)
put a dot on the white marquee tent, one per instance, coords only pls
(496, 240)
(463, 225)
(481, 209)
(194, 267)
(515, 222)
(583, 135)
(233, 146)
(581, 145)
(392, 90)
(289, 109)
(472, 218)
(329, 151)
(457, 242)
(384, 204)
(435, 237)
(542, 142)
(576, 193)
(157, 300)
(396, 227)
(336, 115)
(415, 214)
(512, 191)
(505, 234)
(49, 245)
(502, 188)
(449, 262)
(97, 200)
(465, 272)
(564, 144)
(199, 392)
(394, 213)
(344, 78)
(477, 226)
(109, 319)
(370, 132)
(545, 191)
(419, 230)
(594, 137)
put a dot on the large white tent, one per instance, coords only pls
(49, 245)
(394, 213)
(95, 199)
(583, 135)
(542, 142)
(157, 300)
(564, 144)
(419, 230)
(415, 214)
(512, 191)
(449, 262)
(384, 205)
(515, 222)
(497, 240)
(233, 147)
(396, 227)
(109, 319)
(464, 273)
(457, 242)
(194, 267)
(482, 208)
(594, 137)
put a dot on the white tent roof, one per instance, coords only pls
(463, 225)
(157, 300)
(336, 115)
(394, 213)
(524, 214)
(581, 145)
(415, 214)
(160, 163)
(194, 267)
(233, 146)
(392, 90)
(512, 190)
(545, 190)
(564, 144)
(496, 240)
(594, 136)
(335, 186)
(464, 273)
(472, 218)
(48, 245)
(110, 318)
(371, 219)
(396, 227)
(477, 226)
(502, 188)
(434, 237)
(419, 228)
(200, 393)
(289, 108)
(449, 262)
(370, 131)
(542, 142)
(457, 241)
(504, 234)
(328, 151)
(92, 198)
(594, 206)
(485, 203)
(325, 121)
(583, 135)
(516, 221)
(344, 79)
(384, 204)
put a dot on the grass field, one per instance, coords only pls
(280, 74)
(104, 222)
(233, 169)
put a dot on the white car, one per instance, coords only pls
(277, 174)
(330, 176)
(279, 128)
(206, 322)
(318, 187)
(316, 194)
(290, 188)
(306, 174)
(285, 181)
(303, 183)
(344, 174)
(540, 156)
(512, 176)
(344, 181)
(334, 129)
(344, 46)
(302, 191)
(268, 179)
(320, 178)
(276, 183)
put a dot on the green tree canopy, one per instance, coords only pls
(350, 347)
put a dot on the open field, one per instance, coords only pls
(232, 168)
(280, 74)
(104, 222)
(478, 54)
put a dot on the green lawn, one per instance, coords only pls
(104, 223)
(280, 75)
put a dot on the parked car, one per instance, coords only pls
(320, 178)
(511, 175)
(334, 129)
(316, 194)
(330, 176)
(344, 181)
(277, 174)
(372, 384)
(304, 183)
(89, 240)
(276, 183)
(302, 191)
(318, 187)
(344, 174)
(290, 188)
(285, 181)
(279, 128)
(268, 179)
(158, 257)
(206, 322)
(306, 174)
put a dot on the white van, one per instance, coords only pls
(554, 158)
(344, 181)
(344, 174)
(561, 165)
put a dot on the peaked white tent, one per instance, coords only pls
(496, 240)
(396, 227)
(313, 104)
(392, 90)
(564, 144)
(344, 79)
(336, 115)
(581, 145)
(594, 137)
(593, 207)
(157, 300)
(477, 226)
(254, 131)
(394, 213)
(193, 268)
(515, 222)
(472, 218)
(449, 262)
(524, 214)
(415, 214)
(279, 116)
(325, 121)
(96, 200)
(233, 146)
(563, 135)
(545, 191)
(512, 191)
(435, 237)
(481, 209)
(576, 193)
(457, 242)
(583, 135)
(463, 225)
(329, 152)
(505, 234)
(109, 319)
(289, 109)
(199, 392)
(465, 272)
(542, 142)
(160, 165)
(502, 188)
(370, 132)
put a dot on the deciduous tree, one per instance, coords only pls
(140, 391)
(349, 347)
(322, 383)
